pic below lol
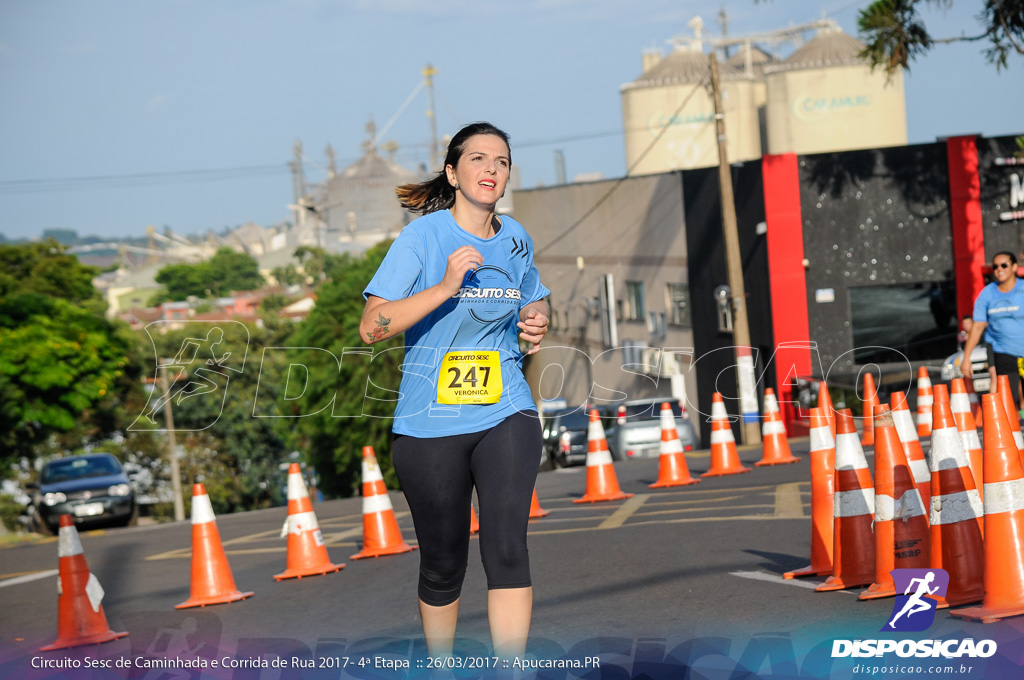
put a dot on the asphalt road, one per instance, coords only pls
(683, 576)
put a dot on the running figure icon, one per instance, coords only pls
(916, 602)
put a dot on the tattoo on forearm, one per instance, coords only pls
(382, 328)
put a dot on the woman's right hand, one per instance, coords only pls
(460, 262)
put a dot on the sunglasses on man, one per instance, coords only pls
(1000, 265)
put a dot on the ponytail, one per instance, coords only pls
(427, 197)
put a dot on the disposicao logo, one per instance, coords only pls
(914, 611)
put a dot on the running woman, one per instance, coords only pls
(461, 283)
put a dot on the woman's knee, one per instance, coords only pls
(440, 586)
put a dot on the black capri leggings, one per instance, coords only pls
(1007, 364)
(438, 475)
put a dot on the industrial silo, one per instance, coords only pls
(825, 97)
(673, 94)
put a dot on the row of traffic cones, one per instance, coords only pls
(603, 484)
(974, 532)
(81, 620)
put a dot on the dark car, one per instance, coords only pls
(565, 436)
(633, 428)
(92, 488)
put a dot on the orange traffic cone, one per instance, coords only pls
(853, 556)
(956, 512)
(974, 399)
(602, 484)
(1012, 414)
(773, 434)
(901, 527)
(959, 403)
(925, 399)
(1004, 521)
(535, 510)
(825, 404)
(80, 616)
(868, 405)
(474, 525)
(912, 451)
(823, 453)
(939, 393)
(307, 554)
(381, 535)
(724, 458)
(212, 581)
(672, 467)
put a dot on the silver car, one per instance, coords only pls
(980, 361)
(633, 428)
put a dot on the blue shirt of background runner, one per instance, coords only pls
(482, 317)
(1004, 313)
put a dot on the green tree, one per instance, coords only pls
(334, 444)
(288, 276)
(46, 268)
(65, 372)
(226, 271)
(238, 456)
(896, 34)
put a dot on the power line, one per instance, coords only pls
(55, 184)
(629, 171)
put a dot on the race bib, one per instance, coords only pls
(469, 378)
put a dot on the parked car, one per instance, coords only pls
(92, 488)
(633, 428)
(565, 436)
(980, 361)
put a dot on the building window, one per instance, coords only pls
(632, 352)
(656, 324)
(635, 310)
(677, 300)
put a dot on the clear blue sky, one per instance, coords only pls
(129, 88)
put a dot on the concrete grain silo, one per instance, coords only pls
(825, 98)
(673, 94)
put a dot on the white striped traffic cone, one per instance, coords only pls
(925, 399)
(602, 484)
(80, 616)
(724, 458)
(381, 535)
(912, 451)
(212, 580)
(307, 554)
(963, 414)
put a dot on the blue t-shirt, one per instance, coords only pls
(482, 316)
(1004, 313)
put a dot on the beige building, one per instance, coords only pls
(825, 98)
(627, 260)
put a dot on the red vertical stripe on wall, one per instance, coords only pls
(965, 214)
(786, 275)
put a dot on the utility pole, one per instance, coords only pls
(172, 449)
(741, 330)
(428, 73)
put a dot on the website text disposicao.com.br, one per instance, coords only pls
(900, 670)
(951, 657)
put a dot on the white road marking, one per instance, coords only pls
(775, 578)
(29, 577)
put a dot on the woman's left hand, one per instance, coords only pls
(534, 327)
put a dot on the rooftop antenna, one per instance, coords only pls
(723, 21)
(428, 74)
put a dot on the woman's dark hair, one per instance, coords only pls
(436, 193)
(1007, 253)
